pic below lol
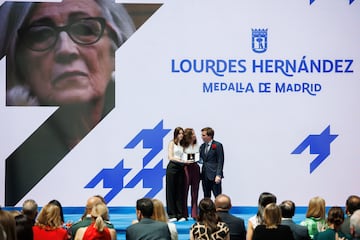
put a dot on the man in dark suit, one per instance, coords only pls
(352, 204)
(212, 157)
(235, 224)
(30, 210)
(287, 211)
(147, 228)
(355, 225)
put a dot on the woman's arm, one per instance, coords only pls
(80, 233)
(112, 234)
(227, 236)
(250, 231)
(191, 236)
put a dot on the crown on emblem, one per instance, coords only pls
(259, 32)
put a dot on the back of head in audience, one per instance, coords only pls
(316, 208)
(30, 209)
(287, 209)
(222, 202)
(159, 211)
(100, 213)
(272, 215)
(335, 216)
(207, 214)
(355, 224)
(49, 216)
(265, 198)
(23, 227)
(91, 202)
(352, 204)
(57, 203)
(145, 208)
(7, 221)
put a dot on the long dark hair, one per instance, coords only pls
(207, 214)
(176, 133)
(264, 199)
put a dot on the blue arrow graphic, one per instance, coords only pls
(151, 177)
(319, 144)
(152, 139)
(112, 178)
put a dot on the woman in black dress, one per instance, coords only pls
(271, 229)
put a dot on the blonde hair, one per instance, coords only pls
(159, 211)
(49, 217)
(100, 212)
(316, 208)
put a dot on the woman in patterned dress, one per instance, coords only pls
(208, 225)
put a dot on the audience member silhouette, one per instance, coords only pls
(7, 221)
(355, 225)
(48, 224)
(160, 215)
(288, 211)
(147, 228)
(315, 216)
(30, 210)
(271, 229)
(57, 203)
(23, 227)
(209, 225)
(334, 220)
(235, 224)
(86, 218)
(97, 229)
(265, 198)
(352, 204)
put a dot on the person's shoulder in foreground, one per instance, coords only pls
(355, 225)
(351, 205)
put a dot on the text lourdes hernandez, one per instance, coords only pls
(287, 68)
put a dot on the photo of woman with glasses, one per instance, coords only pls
(62, 53)
(59, 54)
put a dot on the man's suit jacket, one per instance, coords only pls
(148, 229)
(235, 224)
(299, 232)
(345, 226)
(213, 161)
